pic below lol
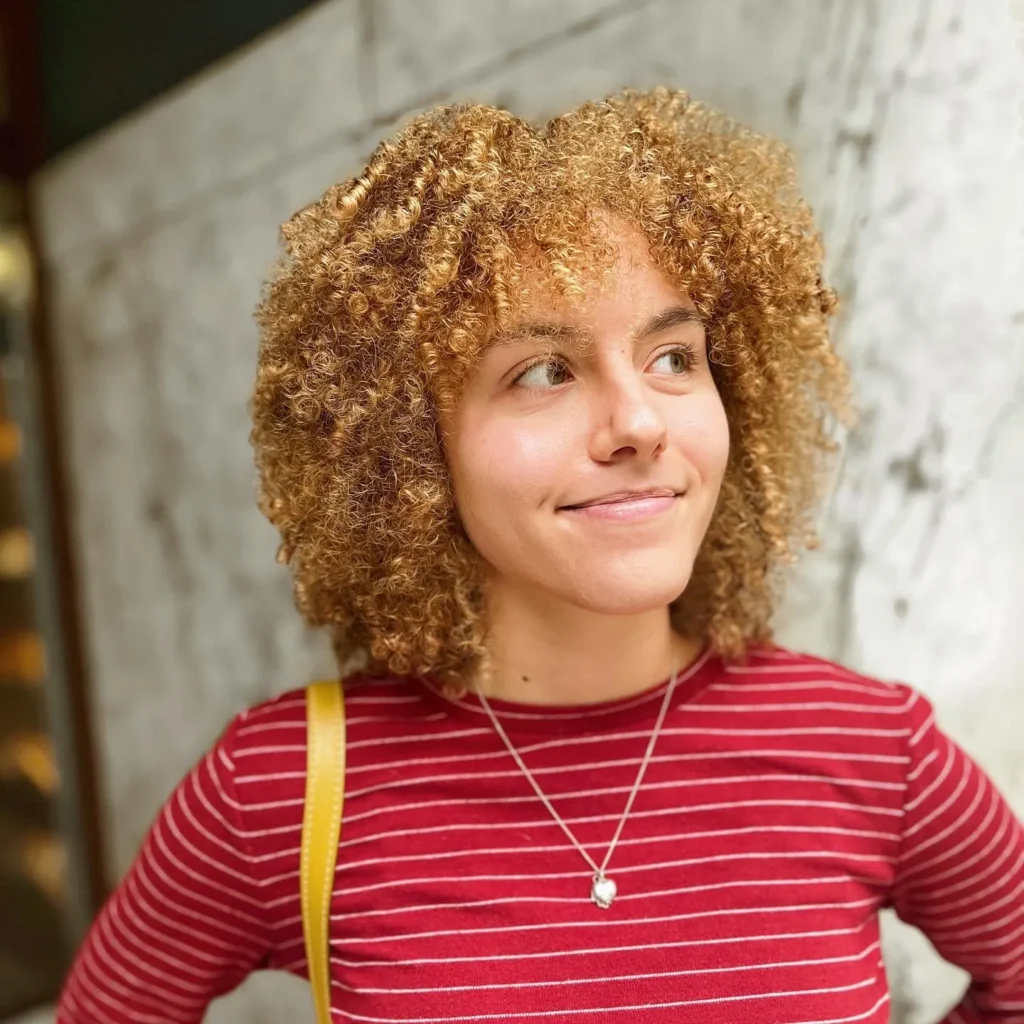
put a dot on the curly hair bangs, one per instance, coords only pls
(390, 286)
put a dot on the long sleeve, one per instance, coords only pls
(185, 925)
(960, 877)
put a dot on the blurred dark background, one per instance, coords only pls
(74, 66)
(68, 69)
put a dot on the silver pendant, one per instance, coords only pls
(603, 891)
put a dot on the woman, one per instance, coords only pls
(540, 415)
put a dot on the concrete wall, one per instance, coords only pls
(905, 119)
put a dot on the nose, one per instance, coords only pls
(627, 422)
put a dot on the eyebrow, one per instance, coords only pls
(674, 316)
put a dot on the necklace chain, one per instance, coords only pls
(600, 892)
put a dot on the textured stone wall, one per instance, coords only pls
(905, 119)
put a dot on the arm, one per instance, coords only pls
(960, 875)
(186, 924)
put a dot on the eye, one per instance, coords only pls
(679, 360)
(544, 373)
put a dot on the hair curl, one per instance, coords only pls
(390, 283)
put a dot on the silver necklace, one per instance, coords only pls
(603, 889)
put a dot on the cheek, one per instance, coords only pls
(701, 430)
(502, 474)
(506, 464)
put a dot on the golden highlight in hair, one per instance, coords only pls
(391, 284)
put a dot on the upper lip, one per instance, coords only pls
(632, 494)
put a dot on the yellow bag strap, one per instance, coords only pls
(321, 830)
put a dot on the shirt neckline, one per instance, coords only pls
(596, 717)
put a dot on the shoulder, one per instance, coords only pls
(776, 675)
(274, 730)
(803, 705)
(263, 751)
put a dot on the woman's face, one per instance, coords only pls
(589, 476)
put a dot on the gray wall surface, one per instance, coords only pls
(905, 118)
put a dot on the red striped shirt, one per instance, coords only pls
(786, 803)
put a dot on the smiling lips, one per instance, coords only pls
(626, 505)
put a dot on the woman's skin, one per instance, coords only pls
(578, 599)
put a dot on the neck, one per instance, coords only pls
(550, 653)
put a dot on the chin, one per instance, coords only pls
(631, 593)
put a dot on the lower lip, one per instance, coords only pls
(625, 511)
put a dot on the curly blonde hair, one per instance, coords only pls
(390, 285)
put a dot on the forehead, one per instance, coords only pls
(615, 290)
(641, 325)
